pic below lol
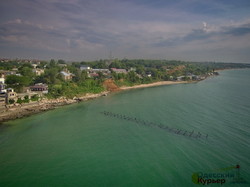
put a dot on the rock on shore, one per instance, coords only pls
(17, 111)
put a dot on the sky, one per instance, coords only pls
(83, 30)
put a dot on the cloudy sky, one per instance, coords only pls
(198, 30)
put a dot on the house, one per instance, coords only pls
(190, 76)
(100, 70)
(34, 66)
(4, 73)
(66, 75)
(62, 65)
(180, 78)
(119, 70)
(93, 75)
(10, 95)
(2, 88)
(84, 68)
(2, 80)
(39, 87)
(2, 100)
(2, 85)
(38, 71)
(132, 69)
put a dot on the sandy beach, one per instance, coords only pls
(155, 84)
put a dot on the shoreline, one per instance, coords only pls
(20, 111)
(160, 83)
(25, 110)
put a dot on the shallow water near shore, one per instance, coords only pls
(78, 145)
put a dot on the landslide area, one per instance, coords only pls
(110, 85)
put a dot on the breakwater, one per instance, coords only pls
(181, 132)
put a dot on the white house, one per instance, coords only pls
(66, 75)
(84, 68)
(2, 80)
(119, 70)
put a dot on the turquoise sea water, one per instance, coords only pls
(77, 145)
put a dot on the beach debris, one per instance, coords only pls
(190, 134)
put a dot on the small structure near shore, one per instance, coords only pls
(10, 96)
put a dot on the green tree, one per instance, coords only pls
(50, 75)
(166, 77)
(116, 64)
(60, 61)
(121, 76)
(114, 75)
(40, 79)
(18, 82)
(100, 76)
(26, 99)
(19, 100)
(27, 71)
(140, 70)
(132, 77)
(52, 63)
(34, 98)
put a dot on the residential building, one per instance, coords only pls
(2, 80)
(66, 75)
(62, 65)
(10, 95)
(4, 73)
(2, 100)
(180, 78)
(93, 75)
(34, 66)
(132, 69)
(84, 68)
(2, 88)
(119, 70)
(2, 85)
(100, 70)
(38, 71)
(39, 87)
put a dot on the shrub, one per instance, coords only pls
(34, 98)
(11, 101)
(19, 100)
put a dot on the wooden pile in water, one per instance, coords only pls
(191, 134)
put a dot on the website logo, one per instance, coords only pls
(219, 176)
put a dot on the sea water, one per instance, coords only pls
(78, 145)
